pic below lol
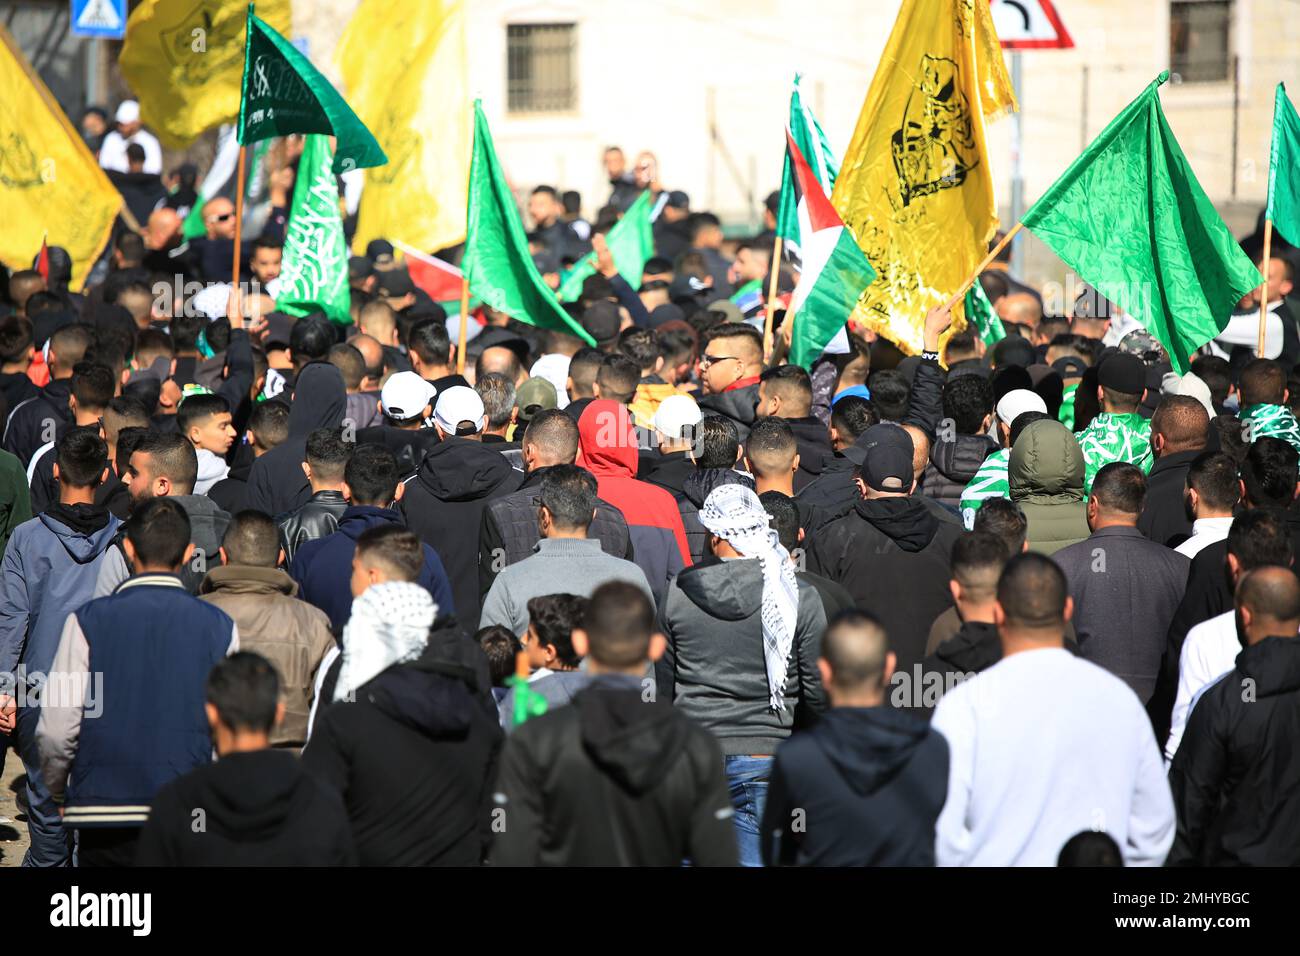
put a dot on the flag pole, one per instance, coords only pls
(1263, 289)
(239, 211)
(771, 297)
(993, 254)
(464, 323)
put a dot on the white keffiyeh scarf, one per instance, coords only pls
(734, 513)
(389, 624)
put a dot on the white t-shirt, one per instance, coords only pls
(112, 153)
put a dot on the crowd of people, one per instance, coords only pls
(286, 591)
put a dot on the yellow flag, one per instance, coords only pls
(404, 65)
(915, 186)
(184, 60)
(49, 180)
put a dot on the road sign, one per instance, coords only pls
(1029, 25)
(99, 18)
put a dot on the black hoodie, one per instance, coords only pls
(414, 757)
(260, 808)
(862, 788)
(893, 556)
(613, 780)
(25, 430)
(814, 444)
(444, 505)
(697, 486)
(276, 483)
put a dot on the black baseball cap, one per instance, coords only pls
(1123, 373)
(883, 454)
(380, 252)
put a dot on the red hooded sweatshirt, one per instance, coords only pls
(607, 447)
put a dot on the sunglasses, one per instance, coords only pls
(222, 218)
(706, 359)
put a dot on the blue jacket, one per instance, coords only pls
(323, 568)
(48, 571)
(145, 651)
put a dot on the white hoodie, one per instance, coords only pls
(211, 470)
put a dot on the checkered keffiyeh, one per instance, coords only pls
(734, 513)
(389, 624)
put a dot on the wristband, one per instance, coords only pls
(928, 356)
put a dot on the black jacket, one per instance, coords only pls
(231, 492)
(739, 404)
(613, 780)
(695, 489)
(1164, 517)
(953, 464)
(893, 556)
(814, 443)
(668, 471)
(834, 489)
(414, 757)
(317, 518)
(260, 808)
(444, 504)
(26, 429)
(1235, 779)
(409, 446)
(16, 388)
(276, 484)
(509, 531)
(862, 788)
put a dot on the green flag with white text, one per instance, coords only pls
(1130, 218)
(1284, 169)
(497, 263)
(283, 93)
(314, 271)
(631, 242)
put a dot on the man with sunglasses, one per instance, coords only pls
(212, 254)
(731, 362)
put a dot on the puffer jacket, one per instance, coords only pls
(713, 669)
(291, 634)
(738, 404)
(698, 485)
(1045, 474)
(953, 464)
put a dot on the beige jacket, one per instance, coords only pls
(291, 634)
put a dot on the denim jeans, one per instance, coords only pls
(51, 843)
(747, 779)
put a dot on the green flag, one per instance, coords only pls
(497, 263)
(283, 93)
(314, 273)
(816, 149)
(979, 312)
(1130, 218)
(631, 242)
(1284, 169)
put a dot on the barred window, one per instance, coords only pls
(1200, 40)
(540, 67)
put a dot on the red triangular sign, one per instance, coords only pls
(1029, 25)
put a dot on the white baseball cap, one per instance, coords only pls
(405, 395)
(675, 414)
(128, 111)
(1018, 401)
(457, 404)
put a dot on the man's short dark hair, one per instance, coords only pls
(553, 617)
(159, 530)
(749, 340)
(130, 246)
(1216, 373)
(978, 558)
(372, 475)
(93, 386)
(770, 447)
(73, 343)
(429, 340)
(569, 494)
(1259, 538)
(676, 344)
(1213, 476)
(185, 331)
(128, 440)
(350, 363)
(855, 646)
(311, 339)
(270, 422)
(1263, 382)
(1023, 421)
(245, 690)
(199, 408)
(498, 395)
(641, 346)
(328, 454)
(1090, 848)
(266, 242)
(1182, 421)
(793, 385)
(172, 456)
(1121, 487)
(82, 457)
(718, 442)
(583, 367)
(15, 338)
(501, 647)
(1032, 591)
(853, 415)
(784, 513)
(890, 394)
(1269, 473)
(253, 539)
(555, 432)
(967, 400)
(398, 549)
(619, 622)
(1003, 518)
(618, 377)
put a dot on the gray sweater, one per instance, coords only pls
(560, 566)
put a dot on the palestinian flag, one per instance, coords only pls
(835, 271)
(438, 279)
